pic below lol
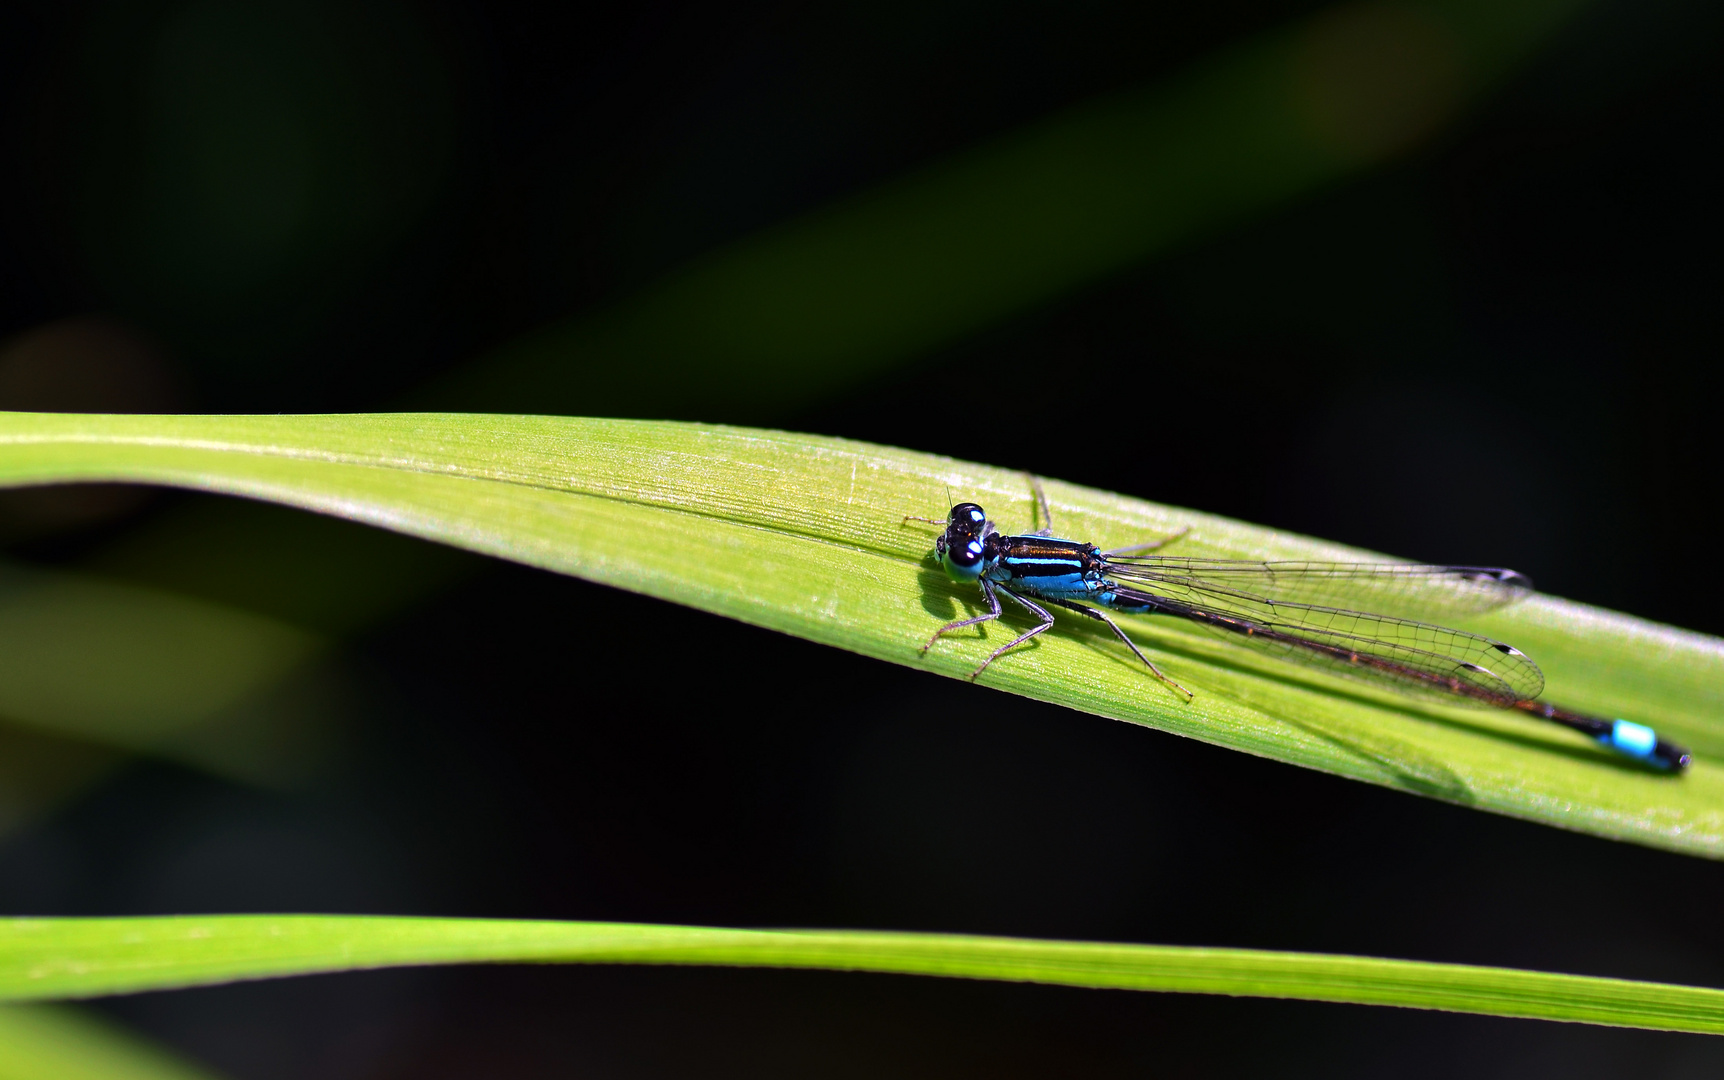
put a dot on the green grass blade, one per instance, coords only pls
(42, 1042)
(63, 958)
(803, 534)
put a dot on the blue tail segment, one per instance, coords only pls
(1640, 741)
(1627, 738)
(1635, 740)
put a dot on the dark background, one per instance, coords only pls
(1499, 347)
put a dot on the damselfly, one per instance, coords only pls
(1299, 611)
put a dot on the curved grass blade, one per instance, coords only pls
(804, 535)
(69, 958)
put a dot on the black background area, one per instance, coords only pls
(1500, 349)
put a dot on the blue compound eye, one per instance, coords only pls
(967, 516)
(964, 561)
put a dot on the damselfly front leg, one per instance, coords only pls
(1041, 613)
(993, 613)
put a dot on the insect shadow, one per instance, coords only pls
(939, 594)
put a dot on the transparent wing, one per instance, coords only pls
(1408, 590)
(1411, 657)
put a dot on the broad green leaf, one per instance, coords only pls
(65, 958)
(46, 1042)
(804, 535)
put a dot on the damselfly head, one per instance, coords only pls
(960, 547)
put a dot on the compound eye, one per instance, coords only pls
(968, 516)
(964, 561)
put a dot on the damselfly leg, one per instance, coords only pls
(993, 613)
(1041, 613)
(1047, 528)
(1130, 644)
(991, 591)
(1152, 545)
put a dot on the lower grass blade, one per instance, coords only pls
(73, 958)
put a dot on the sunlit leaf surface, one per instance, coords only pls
(804, 535)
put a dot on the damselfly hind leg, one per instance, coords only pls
(1047, 528)
(1130, 644)
(1152, 545)
(1047, 520)
(993, 613)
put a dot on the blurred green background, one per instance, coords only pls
(1434, 278)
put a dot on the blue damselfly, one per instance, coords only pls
(1316, 613)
